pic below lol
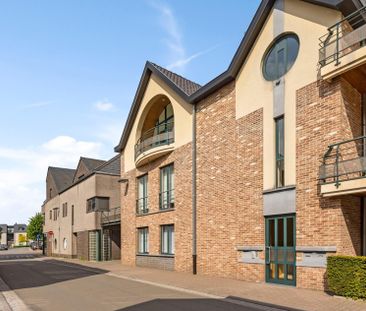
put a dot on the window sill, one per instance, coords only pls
(160, 255)
(158, 212)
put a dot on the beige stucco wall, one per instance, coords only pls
(77, 196)
(3, 238)
(253, 92)
(182, 117)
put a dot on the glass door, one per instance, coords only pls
(281, 250)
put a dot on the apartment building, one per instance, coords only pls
(257, 175)
(82, 210)
(13, 235)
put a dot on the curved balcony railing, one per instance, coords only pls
(160, 135)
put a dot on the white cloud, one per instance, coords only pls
(104, 105)
(38, 104)
(170, 25)
(169, 22)
(181, 63)
(22, 180)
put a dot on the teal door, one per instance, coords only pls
(280, 249)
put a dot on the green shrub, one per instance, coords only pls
(346, 276)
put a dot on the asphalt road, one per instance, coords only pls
(54, 285)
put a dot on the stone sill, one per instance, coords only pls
(158, 212)
(160, 255)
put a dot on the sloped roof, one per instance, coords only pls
(113, 166)
(90, 163)
(20, 228)
(63, 177)
(192, 92)
(187, 86)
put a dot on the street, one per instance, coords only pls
(47, 284)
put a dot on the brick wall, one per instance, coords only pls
(181, 216)
(326, 113)
(229, 186)
(163, 263)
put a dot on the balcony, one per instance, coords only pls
(343, 170)
(154, 143)
(111, 217)
(343, 48)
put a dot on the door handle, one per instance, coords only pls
(269, 255)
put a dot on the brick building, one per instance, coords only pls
(259, 174)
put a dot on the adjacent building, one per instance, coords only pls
(82, 210)
(259, 174)
(13, 235)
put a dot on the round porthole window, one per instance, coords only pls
(280, 56)
(65, 243)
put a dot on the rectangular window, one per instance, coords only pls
(166, 197)
(167, 240)
(143, 240)
(72, 215)
(50, 214)
(142, 195)
(64, 210)
(280, 152)
(55, 213)
(97, 204)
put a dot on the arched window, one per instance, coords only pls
(165, 120)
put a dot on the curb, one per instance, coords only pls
(12, 300)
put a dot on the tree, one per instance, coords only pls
(35, 226)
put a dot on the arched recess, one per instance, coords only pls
(156, 116)
(155, 130)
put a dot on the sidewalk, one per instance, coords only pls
(290, 297)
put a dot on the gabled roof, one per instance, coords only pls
(62, 177)
(85, 167)
(192, 92)
(113, 166)
(187, 86)
(91, 164)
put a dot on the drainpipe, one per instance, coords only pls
(194, 194)
(363, 201)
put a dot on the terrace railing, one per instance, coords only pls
(343, 38)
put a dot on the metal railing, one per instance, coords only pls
(345, 160)
(142, 206)
(160, 135)
(111, 216)
(166, 199)
(343, 38)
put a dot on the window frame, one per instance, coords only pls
(169, 190)
(64, 210)
(144, 248)
(280, 151)
(279, 44)
(170, 243)
(144, 196)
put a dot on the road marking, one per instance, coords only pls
(13, 300)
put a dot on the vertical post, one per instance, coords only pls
(337, 167)
(194, 198)
(337, 45)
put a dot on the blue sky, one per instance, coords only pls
(69, 70)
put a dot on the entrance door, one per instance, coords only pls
(280, 249)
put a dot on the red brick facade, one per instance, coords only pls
(180, 216)
(230, 188)
(326, 114)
